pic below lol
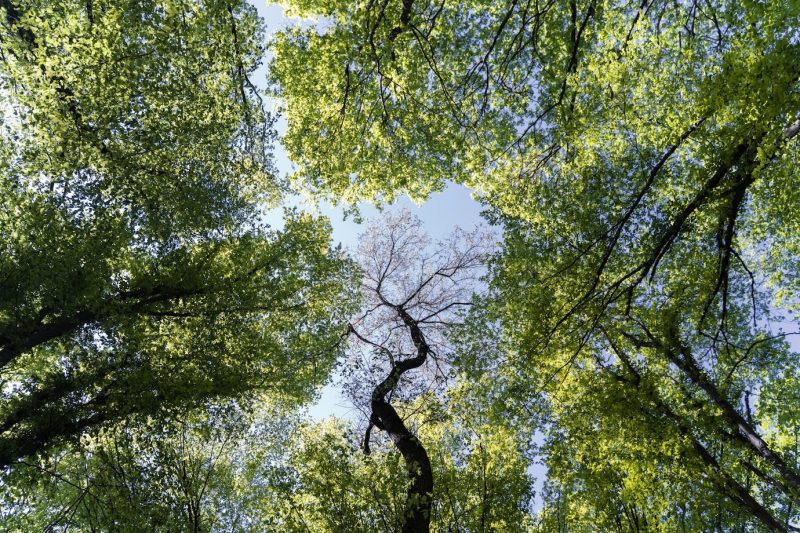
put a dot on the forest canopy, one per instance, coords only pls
(628, 341)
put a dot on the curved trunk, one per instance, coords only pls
(417, 512)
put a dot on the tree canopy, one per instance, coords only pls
(136, 275)
(632, 334)
(640, 159)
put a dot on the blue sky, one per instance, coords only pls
(440, 214)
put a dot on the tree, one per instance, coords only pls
(136, 276)
(411, 297)
(638, 158)
(478, 468)
(214, 469)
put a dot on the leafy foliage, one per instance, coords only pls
(641, 159)
(208, 470)
(636, 157)
(136, 276)
(480, 476)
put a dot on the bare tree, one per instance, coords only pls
(413, 292)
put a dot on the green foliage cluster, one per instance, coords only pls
(480, 472)
(640, 159)
(211, 470)
(136, 275)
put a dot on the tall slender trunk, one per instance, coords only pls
(417, 511)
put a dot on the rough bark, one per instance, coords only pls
(417, 512)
